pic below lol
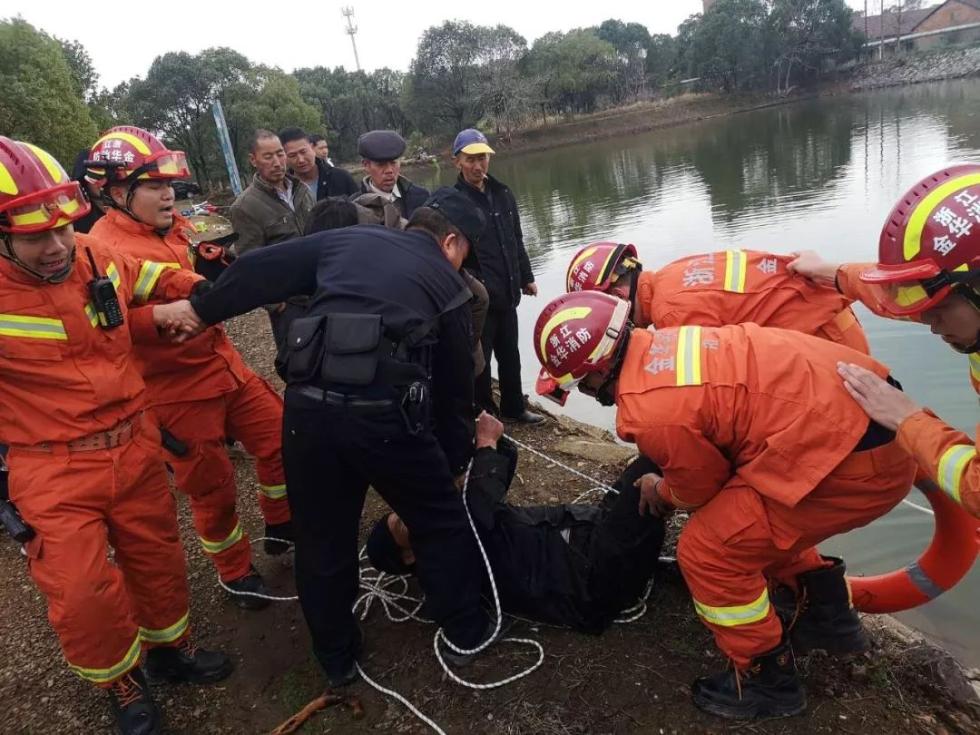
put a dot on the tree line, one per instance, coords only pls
(462, 75)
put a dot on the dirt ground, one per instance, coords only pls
(633, 679)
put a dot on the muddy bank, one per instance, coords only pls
(633, 679)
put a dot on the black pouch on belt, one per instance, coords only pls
(304, 349)
(350, 349)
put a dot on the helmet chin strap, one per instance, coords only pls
(58, 277)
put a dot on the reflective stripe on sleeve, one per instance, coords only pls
(951, 466)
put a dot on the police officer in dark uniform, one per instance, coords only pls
(380, 393)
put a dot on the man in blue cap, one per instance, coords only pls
(500, 261)
(380, 151)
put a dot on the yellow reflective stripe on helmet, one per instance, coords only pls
(689, 356)
(147, 279)
(128, 137)
(951, 466)
(730, 617)
(105, 676)
(925, 208)
(216, 547)
(166, 635)
(975, 366)
(564, 315)
(55, 171)
(273, 492)
(42, 215)
(7, 183)
(736, 263)
(32, 327)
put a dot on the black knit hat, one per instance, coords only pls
(383, 551)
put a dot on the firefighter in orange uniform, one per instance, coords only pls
(755, 433)
(86, 472)
(928, 271)
(200, 391)
(715, 289)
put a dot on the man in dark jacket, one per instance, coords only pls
(275, 207)
(322, 179)
(574, 565)
(500, 261)
(380, 151)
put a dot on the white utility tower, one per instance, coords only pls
(348, 13)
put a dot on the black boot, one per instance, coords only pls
(282, 531)
(134, 708)
(186, 663)
(245, 589)
(769, 687)
(825, 619)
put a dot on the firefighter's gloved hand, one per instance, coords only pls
(650, 500)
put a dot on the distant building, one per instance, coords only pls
(951, 22)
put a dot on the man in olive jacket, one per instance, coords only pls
(275, 207)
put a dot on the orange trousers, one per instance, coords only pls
(740, 541)
(80, 504)
(253, 415)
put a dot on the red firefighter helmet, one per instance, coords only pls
(930, 243)
(578, 334)
(127, 153)
(598, 266)
(35, 192)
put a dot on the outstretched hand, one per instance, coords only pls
(809, 264)
(177, 320)
(884, 403)
(650, 500)
(488, 431)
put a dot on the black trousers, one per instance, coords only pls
(331, 455)
(500, 339)
(622, 549)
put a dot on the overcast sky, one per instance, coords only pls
(123, 38)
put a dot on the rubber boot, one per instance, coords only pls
(244, 591)
(769, 687)
(186, 663)
(825, 618)
(282, 531)
(133, 706)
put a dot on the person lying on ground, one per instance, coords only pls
(576, 565)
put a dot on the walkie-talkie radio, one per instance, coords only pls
(105, 301)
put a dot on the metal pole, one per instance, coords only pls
(225, 140)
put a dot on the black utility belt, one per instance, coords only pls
(345, 349)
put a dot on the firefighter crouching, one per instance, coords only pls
(715, 289)
(928, 271)
(756, 434)
(200, 391)
(86, 472)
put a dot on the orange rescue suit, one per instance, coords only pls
(738, 286)
(753, 430)
(66, 386)
(202, 391)
(946, 455)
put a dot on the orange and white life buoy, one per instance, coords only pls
(948, 559)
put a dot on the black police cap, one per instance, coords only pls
(460, 210)
(381, 145)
